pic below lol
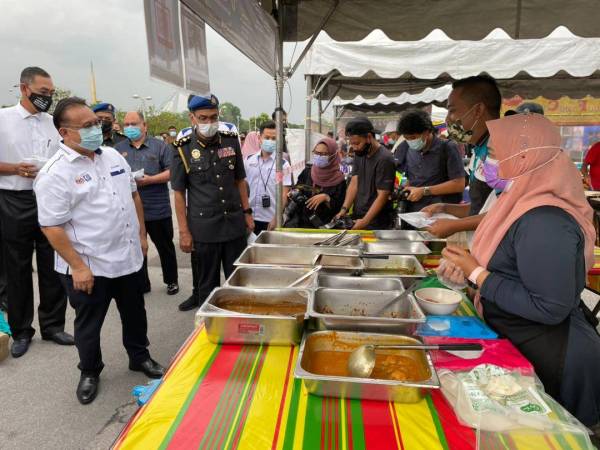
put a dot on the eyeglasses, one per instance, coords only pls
(95, 123)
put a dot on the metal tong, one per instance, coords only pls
(333, 240)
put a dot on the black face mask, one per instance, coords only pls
(41, 102)
(364, 150)
(107, 126)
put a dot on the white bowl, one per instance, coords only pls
(438, 301)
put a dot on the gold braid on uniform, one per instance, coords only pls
(228, 133)
(178, 144)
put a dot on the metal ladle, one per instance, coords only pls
(362, 360)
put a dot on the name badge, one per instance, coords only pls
(226, 152)
(116, 170)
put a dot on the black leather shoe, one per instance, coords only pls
(151, 368)
(61, 338)
(172, 288)
(87, 389)
(19, 347)
(191, 303)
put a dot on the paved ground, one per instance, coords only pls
(39, 409)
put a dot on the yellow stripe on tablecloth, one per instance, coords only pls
(301, 419)
(262, 417)
(343, 424)
(286, 406)
(417, 428)
(152, 427)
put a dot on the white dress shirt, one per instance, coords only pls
(25, 135)
(261, 177)
(92, 200)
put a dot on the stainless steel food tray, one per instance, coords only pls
(362, 388)
(396, 266)
(230, 327)
(406, 235)
(299, 257)
(353, 310)
(396, 248)
(284, 238)
(360, 283)
(257, 277)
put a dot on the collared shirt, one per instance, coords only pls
(154, 156)
(92, 200)
(261, 177)
(113, 139)
(25, 135)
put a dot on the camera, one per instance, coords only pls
(266, 201)
(297, 205)
(400, 197)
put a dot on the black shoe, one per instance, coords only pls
(61, 338)
(191, 303)
(87, 389)
(19, 347)
(147, 289)
(172, 288)
(151, 368)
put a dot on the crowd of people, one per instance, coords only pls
(86, 197)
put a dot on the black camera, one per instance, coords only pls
(297, 205)
(266, 201)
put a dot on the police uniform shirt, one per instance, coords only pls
(208, 172)
(92, 200)
(114, 139)
(25, 135)
(261, 177)
(154, 156)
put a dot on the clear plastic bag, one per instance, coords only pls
(448, 274)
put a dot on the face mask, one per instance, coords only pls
(106, 126)
(548, 147)
(133, 133)
(172, 133)
(321, 160)
(490, 172)
(457, 132)
(268, 146)
(416, 144)
(364, 150)
(41, 102)
(208, 129)
(91, 138)
(391, 141)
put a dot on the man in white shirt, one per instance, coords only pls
(261, 177)
(27, 139)
(91, 213)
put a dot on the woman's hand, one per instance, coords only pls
(316, 200)
(449, 272)
(461, 258)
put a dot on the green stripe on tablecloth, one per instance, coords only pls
(312, 423)
(188, 400)
(436, 422)
(358, 430)
(290, 429)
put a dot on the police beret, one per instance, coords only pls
(104, 107)
(196, 102)
(359, 126)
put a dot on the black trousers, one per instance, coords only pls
(90, 311)
(20, 236)
(260, 226)
(161, 233)
(210, 257)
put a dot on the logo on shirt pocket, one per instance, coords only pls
(83, 178)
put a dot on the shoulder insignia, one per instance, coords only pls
(228, 133)
(184, 140)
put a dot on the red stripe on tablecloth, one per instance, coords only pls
(288, 372)
(349, 424)
(378, 426)
(193, 425)
(396, 424)
(337, 423)
(458, 436)
(323, 421)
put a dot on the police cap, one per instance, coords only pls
(104, 107)
(196, 102)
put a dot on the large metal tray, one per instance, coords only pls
(396, 248)
(287, 238)
(403, 266)
(230, 327)
(406, 235)
(401, 316)
(299, 257)
(362, 388)
(257, 277)
(360, 283)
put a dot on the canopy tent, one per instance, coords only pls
(250, 23)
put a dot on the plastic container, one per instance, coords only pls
(438, 301)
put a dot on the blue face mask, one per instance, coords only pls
(416, 144)
(391, 141)
(321, 160)
(91, 137)
(133, 133)
(268, 146)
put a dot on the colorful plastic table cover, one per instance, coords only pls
(246, 397)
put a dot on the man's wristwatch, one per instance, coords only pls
(426, 191)
(248, 211)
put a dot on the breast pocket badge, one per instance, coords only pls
(195, 154)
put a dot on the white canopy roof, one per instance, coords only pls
(383, 103)
(561, 64)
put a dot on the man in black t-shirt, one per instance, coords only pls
(373, 174)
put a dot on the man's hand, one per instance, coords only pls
(272, 224)
(416, 193)
(186, 242)
(26, 170)
(436, 208)
(143, 181)
(83, 279)
(316, 200)
(442, 228)
(250, 222)
(360, 224)
(144, 243)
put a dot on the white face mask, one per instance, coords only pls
(207, 129)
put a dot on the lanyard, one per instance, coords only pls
(480, 152)
(260, 172)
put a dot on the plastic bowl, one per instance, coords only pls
(438, 301)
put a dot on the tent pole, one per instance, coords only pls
(320, 116)
(335, 122)
(279, 81)
(307, 119)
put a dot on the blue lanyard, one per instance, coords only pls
(480, 152)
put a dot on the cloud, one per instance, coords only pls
(63, 36)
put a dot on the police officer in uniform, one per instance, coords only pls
(211, 196)
(106, 113)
